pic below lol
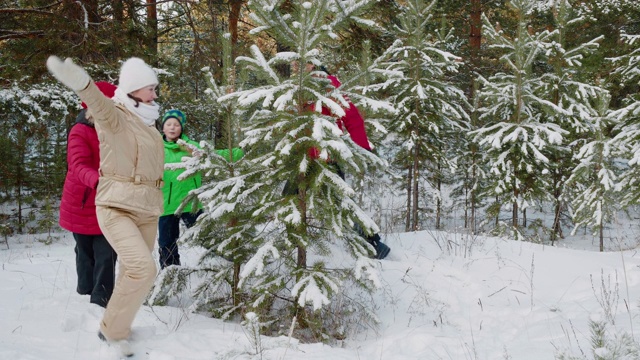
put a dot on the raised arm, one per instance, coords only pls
(76, 78)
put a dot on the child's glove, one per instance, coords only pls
(68, 73)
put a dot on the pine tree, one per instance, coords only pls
(428, 105)
(287, 236)
(225, 231)
(516, 133)
(627, 117)
(568, 91)
(594, 179)
(470, 170)
(34, 130)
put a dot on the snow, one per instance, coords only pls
(480, 298)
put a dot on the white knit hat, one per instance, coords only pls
(136, 74)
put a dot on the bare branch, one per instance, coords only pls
(21, 35)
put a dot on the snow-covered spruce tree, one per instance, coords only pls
(567, 90)
(225, 230)
(428, 105)
(627, 140)
(470, 170)
(593, 181)
(516, 133)
(305, 215)
(36, 121)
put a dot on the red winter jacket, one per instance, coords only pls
(352, 121)
(78, 208)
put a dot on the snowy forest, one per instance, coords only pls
(512, 118)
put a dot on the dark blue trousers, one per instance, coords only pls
(96, 267)
(168, 234)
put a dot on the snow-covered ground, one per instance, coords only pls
(477, 298)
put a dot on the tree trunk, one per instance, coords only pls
(556, 231)
(234, 17)
(475, 27)
(467, 200)
(439, 200)
(514, 212)
(416, 178)
(19, 180)
(472, 224)
(152, 25)
(235, 291)
(498, 212)
(407, 226)
(475, 42)
(302, 251)
(601, 233)
(118, 25)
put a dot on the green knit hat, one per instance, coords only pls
(175, 114)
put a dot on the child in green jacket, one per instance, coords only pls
(175, 190)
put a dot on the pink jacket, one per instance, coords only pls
(78, 208)
(352, 121)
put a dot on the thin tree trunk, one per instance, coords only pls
(514, 212)
(556, 230)
(407, 226)
(439, 200)
(475, 42)
(416, 178)
(467, 200)
(302, 251)
(19, 181)
(472, 225)
(498, 212)
(601, 233)
(235, 291)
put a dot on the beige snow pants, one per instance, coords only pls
(132, 235)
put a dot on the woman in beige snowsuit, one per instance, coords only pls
(129, 197)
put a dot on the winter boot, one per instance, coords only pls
(121, 345)
(382, 250)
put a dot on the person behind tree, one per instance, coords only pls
(95, 258)
(353, 122)
(128, 197)
(175, 190)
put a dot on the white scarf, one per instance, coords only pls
(148, 113)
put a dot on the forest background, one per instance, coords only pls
(481, 112)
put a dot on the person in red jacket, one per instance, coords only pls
(353, 123)
(95, 259)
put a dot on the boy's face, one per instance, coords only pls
(172, 129)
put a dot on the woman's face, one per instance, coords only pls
(172, 129)
(147, 94)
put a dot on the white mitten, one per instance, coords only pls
(68, 73)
